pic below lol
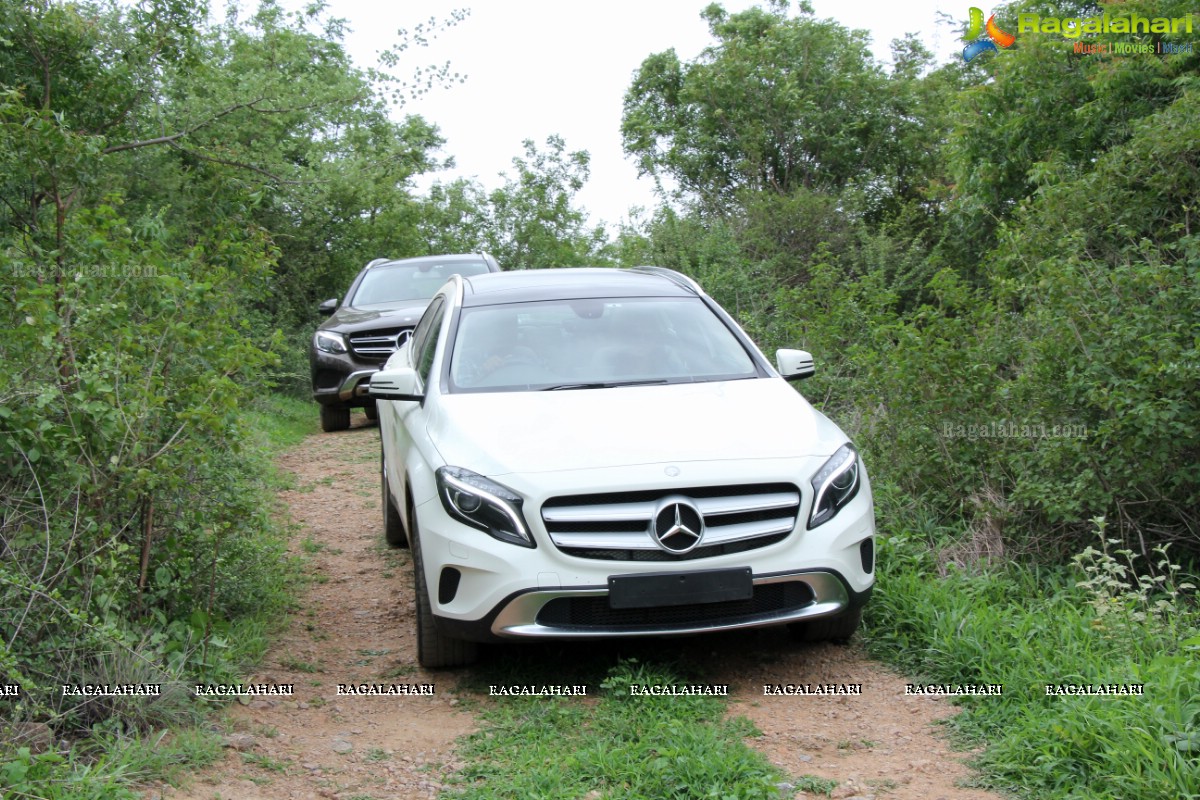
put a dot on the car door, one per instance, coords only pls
(406, 428)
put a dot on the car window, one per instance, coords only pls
(424, 325)
(565, 343)
(425, 338)
(395, 283)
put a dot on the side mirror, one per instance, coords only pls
(794, 365)
(395, 384)
(328, 307)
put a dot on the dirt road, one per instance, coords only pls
(355, 626)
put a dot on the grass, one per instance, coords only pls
(282, 421)
(297, 665)
(811, 784)
(614, 746)
(107, 766)
(265, 762)
(401, 671)
(1027, 627)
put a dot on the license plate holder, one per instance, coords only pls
(659, 589)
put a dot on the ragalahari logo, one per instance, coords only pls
(982, 38)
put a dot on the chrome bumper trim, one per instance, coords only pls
(355, 384)
(519, 618)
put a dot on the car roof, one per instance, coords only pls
(521, 286)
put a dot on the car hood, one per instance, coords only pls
(348, 319)
(498, 433)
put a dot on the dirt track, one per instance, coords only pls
(356, 626)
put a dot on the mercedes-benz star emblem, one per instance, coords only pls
(677, 526)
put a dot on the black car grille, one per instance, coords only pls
(584, 613)
(378, 345)
(616, 526)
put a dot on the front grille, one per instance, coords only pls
(616, 526)
(601, 554)
(585, 613)
(378, 345)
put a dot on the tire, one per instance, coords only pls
(334, 419)
(434, 648)
(837, 629)
(372, 412)
(393, 523)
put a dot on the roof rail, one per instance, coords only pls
(677, 278)
(376, 261)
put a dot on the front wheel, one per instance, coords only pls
(334, 419)
(837, 628)
(434, 648)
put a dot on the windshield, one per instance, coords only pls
(396, 283)
(594, 343)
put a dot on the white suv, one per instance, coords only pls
(578, 453)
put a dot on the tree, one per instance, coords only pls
(779, 103)
(533, 222)
(285, 130)
(529, 222)
(167, 190)
(1041, 109)
(789, 132)
(454, 218)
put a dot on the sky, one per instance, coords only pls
(537, 68)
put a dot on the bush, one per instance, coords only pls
(1026, 628)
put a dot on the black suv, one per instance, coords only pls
(377, 315)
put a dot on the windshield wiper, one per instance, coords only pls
(609, 385)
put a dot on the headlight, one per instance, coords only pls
(834, 485)
(329, 342)
(484, 504)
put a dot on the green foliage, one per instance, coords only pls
(1002, 305)
(1130, 605)
(994, 264)
(278, 421)
(136, 224)
(530, 222)
(1003, 309)
(279, 130)
(1109, 335)
(621, 746)
(108, 768)
(41, 775)
(533, 222)
(1026, 628)
(815, 785)
(708, 250)
(1048, 110)
(127, 400)
(455, 218)
(778, 103)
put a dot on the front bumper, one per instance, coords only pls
(338, 381)
(356, 385)
(582, 613)
(486, 590)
